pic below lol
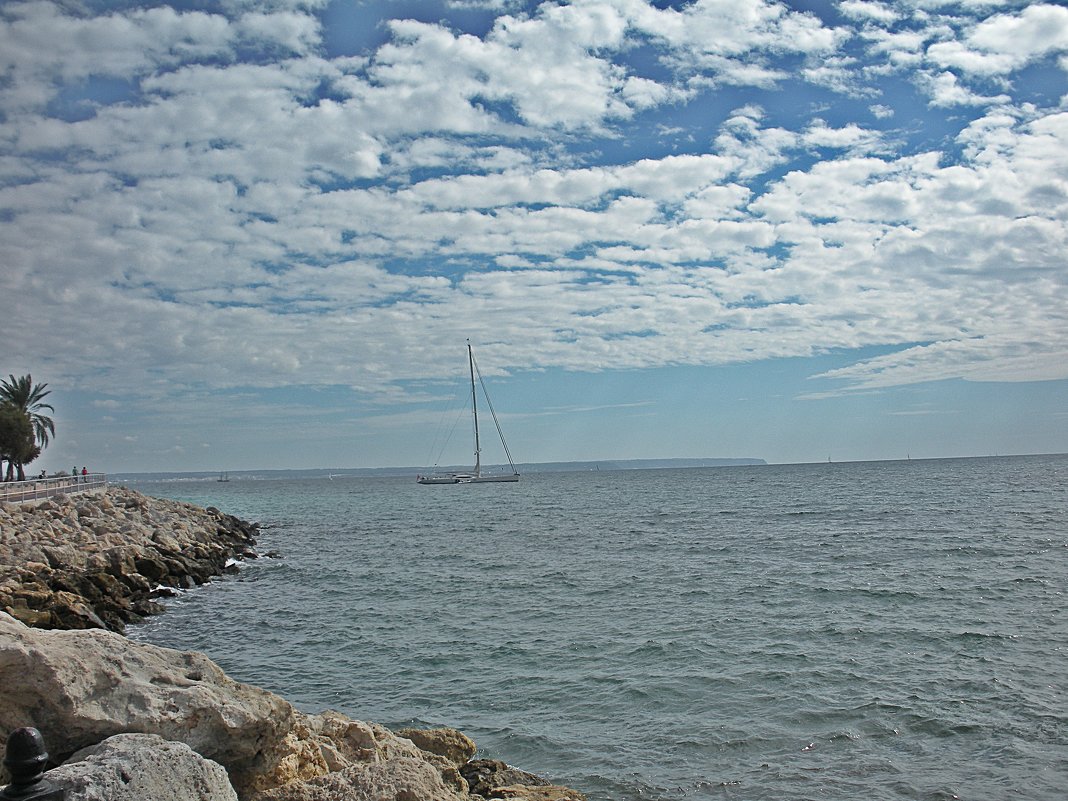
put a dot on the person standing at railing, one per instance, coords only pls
(85, 475)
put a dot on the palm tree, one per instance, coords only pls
(17, 444)
(28, 398)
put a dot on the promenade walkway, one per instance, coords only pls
(38, 489)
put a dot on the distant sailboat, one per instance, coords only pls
(476, 476)
(223, 477)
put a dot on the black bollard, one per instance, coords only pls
(26, 759)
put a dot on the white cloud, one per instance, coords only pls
(295, 33)
(43, 47)
(1006, 42)
(1037, 30)
(946, 90)
(867, 11)
(850, 137)
(542, 67)
(977, 359)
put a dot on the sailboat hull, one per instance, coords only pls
(445, 478)
(467, 478)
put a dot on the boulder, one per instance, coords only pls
(30, 617)
(485, 775)
(70, 611)
(454, 745)
(343, 742)
(525, 792)
(402, 778)
(138, 767)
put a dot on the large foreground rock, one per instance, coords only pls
(140, 767)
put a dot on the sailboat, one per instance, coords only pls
(476, 476)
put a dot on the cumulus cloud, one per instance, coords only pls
(945, 90)
(1036, 31)
(867, 11)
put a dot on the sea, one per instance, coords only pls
(864, 630)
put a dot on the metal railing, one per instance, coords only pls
(35, 489)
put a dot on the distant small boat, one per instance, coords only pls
(223, 477)
(476, 476)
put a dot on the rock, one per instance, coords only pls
(138, 767)
(454, 745)
(343, 741)
(31, 617)
(398, 779)
(485, 775)
(151, 567)
(137, 584)
(69, 611)
(524, 792)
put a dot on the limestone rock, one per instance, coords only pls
(138, 767)
(485, 775)
(454, 745)
(525, 792)
(399, 779)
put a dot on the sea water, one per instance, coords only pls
(885, 630)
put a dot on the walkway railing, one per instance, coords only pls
(35, 489)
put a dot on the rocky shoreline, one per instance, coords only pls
(126, 721)
(90, 560)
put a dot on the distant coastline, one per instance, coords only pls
(387, 472)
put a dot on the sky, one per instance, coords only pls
(253, 235)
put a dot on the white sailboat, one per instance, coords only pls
(476, 476)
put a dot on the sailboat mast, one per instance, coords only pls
(474, 409)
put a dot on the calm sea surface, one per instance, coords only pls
(889, 630)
